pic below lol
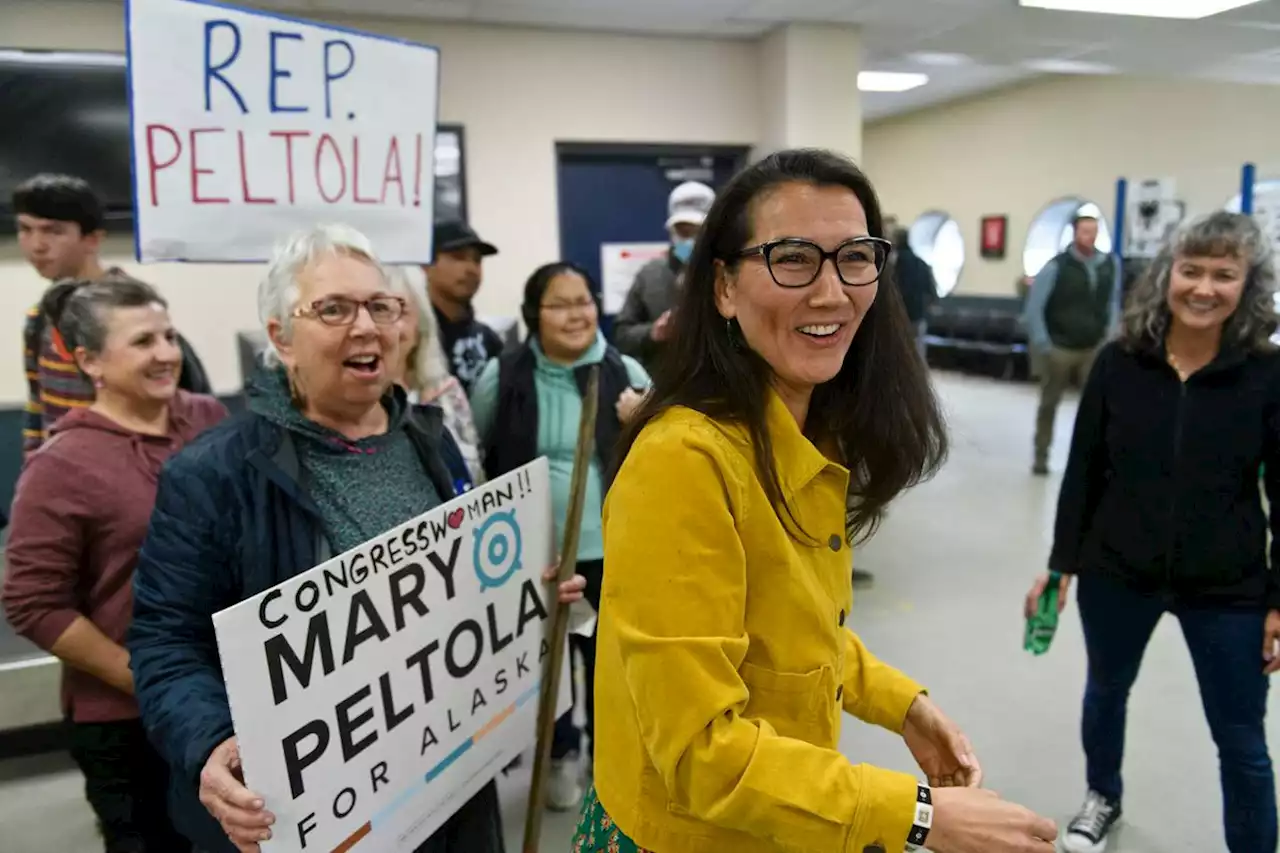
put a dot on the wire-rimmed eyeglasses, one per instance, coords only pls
(795, 262)
(342, 311)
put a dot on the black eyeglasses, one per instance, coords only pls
(341, 311)
(794, 262)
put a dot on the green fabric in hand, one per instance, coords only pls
(1043, 624)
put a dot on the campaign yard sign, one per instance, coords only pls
(375, 694)
(248, 125)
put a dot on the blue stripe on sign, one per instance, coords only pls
(449, 760)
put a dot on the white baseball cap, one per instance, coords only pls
(690, 202)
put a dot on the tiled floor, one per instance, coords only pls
(951, 564)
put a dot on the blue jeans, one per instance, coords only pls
(1226, 650)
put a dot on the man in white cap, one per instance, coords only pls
(645, 319)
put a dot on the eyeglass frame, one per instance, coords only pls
(312, 311)
(765, 249)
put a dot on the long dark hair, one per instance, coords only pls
(880, 409)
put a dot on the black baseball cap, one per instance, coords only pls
(456, 234)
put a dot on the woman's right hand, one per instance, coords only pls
(1032, 602)
(238, 810)
(973, 820)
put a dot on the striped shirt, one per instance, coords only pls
(55, 384)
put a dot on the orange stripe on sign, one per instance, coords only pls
(354, 839)
(495, 722)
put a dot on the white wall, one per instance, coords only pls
(1014, 151)
(517, 92)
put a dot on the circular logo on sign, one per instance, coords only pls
(496, 552)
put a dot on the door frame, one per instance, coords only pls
(739, 154)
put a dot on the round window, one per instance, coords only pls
(936, 238)
(1051, 231)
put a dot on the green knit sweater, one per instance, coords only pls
(362, 488)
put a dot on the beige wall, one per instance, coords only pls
(517, 91)
(1014, 151)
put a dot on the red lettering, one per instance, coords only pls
(244, 175)
(287, 136)
(355, 174)
(153, 165)
(417, 171)
(388, 176)
(326, 139)
(196, 171)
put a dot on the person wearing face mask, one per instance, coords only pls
(1160, 512)
(643, 325)
(527, 404)
(81, 511)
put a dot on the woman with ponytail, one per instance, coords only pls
(81, 511)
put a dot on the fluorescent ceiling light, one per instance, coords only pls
(890, 81)
(57, 57)
(1069, 66)
(941, 60)
(1185, 9)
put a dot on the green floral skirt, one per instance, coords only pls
(596, 832)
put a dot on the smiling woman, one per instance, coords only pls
(790, 408)
(1160, 511)
(329, 456)
(81, 511)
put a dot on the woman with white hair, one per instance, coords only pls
(425, 371)
(329, 455)
(1160, 512)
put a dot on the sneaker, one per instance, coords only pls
(564, 784)
(1087, 832)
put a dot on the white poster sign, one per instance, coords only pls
(619, 263)
(1266, 210)
(249, 125)
(374, 695)
(1154, 211)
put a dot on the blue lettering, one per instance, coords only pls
(331, 74)
(278, 73)
(211, 71)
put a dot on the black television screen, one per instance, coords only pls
(66, 112)
(69, 112)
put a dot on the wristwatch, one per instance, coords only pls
(923, 821)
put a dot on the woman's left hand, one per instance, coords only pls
(939, 747)
(571, 590)
(628, 401)
(1271, 643)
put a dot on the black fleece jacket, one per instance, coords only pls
(1161, 491)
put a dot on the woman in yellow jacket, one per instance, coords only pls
(791, 407)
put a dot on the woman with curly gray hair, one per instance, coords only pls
(1160, 512)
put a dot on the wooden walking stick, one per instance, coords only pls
(560, 618)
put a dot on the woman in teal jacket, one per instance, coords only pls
(527, 404)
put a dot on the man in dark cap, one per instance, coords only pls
(452, 282)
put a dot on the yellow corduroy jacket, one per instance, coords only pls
(724, 658)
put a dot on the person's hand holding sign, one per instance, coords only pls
(571, 590)
(238, 810)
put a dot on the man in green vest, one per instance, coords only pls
(1073, 306)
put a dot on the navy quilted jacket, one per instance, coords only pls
(231, 520)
